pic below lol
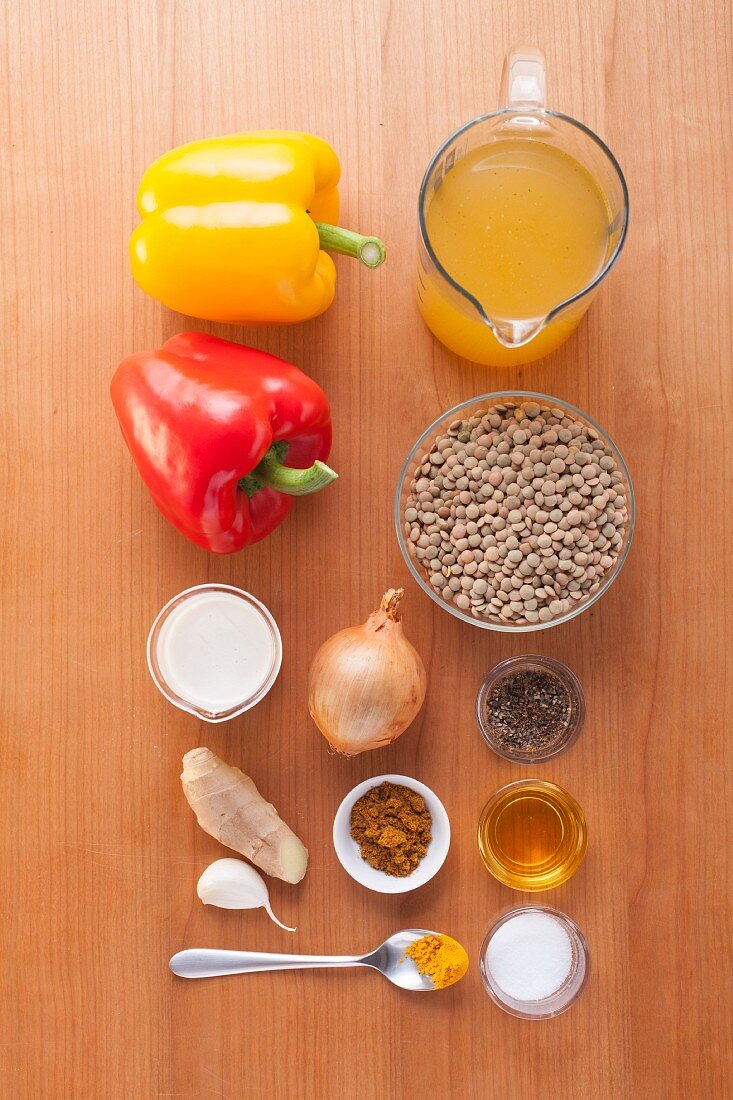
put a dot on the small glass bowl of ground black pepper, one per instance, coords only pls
(530, 708)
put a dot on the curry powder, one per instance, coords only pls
(392, 826)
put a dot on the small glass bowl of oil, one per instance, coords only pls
(532, 835)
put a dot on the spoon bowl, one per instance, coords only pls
(389, 959)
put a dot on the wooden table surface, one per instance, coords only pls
(100, 853)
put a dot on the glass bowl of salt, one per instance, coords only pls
(534, 962)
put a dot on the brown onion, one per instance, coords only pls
(367, 682)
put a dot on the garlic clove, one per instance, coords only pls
(232, 884)
(223, 885)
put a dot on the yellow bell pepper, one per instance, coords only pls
(234, 228)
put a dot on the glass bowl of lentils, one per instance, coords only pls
(514, 511)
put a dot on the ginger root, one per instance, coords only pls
(229, 807)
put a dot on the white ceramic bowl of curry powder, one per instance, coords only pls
(349, 853)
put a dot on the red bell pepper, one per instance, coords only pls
(223, 436)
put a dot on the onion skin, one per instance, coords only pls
(367, 683)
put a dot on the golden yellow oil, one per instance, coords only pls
(532, 835)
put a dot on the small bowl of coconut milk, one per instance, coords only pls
(214, 651)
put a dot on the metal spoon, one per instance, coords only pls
(389, 959)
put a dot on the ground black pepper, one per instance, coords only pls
(528, 710)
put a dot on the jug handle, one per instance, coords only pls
(524, 79)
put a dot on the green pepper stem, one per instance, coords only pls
(287, 479)
(369, 250)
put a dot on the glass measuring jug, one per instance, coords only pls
(522, 213)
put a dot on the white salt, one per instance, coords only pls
(530, 956)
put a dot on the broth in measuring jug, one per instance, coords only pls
(521, 215)
(521, 226)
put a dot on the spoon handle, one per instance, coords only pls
(205, 962)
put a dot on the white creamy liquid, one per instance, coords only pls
(215, 651)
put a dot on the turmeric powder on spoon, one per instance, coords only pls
(439, 957)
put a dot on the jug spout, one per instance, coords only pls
(514, 334)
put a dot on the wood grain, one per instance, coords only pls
(100, 853)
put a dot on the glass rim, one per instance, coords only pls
(497, 397)
(522, 112)
(179, 701)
